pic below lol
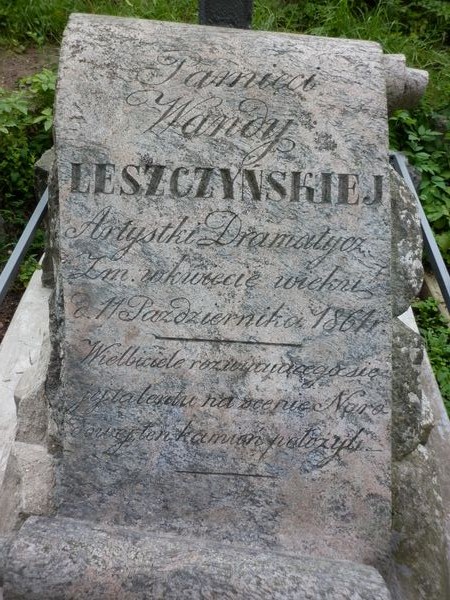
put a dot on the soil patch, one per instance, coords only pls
(14, 66)
(7, 310)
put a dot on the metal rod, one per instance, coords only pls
(12, 267)
(434, 254)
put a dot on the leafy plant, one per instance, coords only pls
(26, 117)
(416, 135)
(27, 268)
(435, 331)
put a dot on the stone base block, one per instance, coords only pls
(27, 485)
(64, 559)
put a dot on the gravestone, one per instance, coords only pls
(221, 323)
(225, 240)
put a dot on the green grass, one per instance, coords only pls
(419, 30)
(25, 21)
(435, 331)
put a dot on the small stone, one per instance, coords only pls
(27, 487)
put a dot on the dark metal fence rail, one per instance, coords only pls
(12, 267)
(434, 255)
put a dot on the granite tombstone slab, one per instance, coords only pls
(224, 286)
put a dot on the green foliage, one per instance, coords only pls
(23, 21)
(435, 331)
(416, 135)
(27, 268)
(26, 117)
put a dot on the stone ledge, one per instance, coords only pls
(20, 350)
(67, 559)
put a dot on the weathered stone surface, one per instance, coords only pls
(19, 350)
(31, 402)
(4, 549)
(439, 443)
(420, 475)
(223, 293)
(109, 563)
(42, 170)
(27, 487)
(404, 86)
(10, 496)
(411, 412)
(407, 268)
(420, 553)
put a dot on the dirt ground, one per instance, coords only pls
(7, 310)
(14, 66)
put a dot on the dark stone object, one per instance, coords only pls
(233, 13)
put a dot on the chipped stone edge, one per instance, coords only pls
(20, 349)
(420, 568)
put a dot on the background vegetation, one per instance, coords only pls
(436, 335)
(417, 28)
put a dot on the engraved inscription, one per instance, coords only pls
(224, 275)
(154, 180)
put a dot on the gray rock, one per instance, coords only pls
(103, 563)
(5, 542)
(10, 499)
(420, 567)
(27, 487)
(411, 413)
(404, 86)
(420, 553)
(439, 443)
(31, 402)
(42, 170)
(406, 258)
